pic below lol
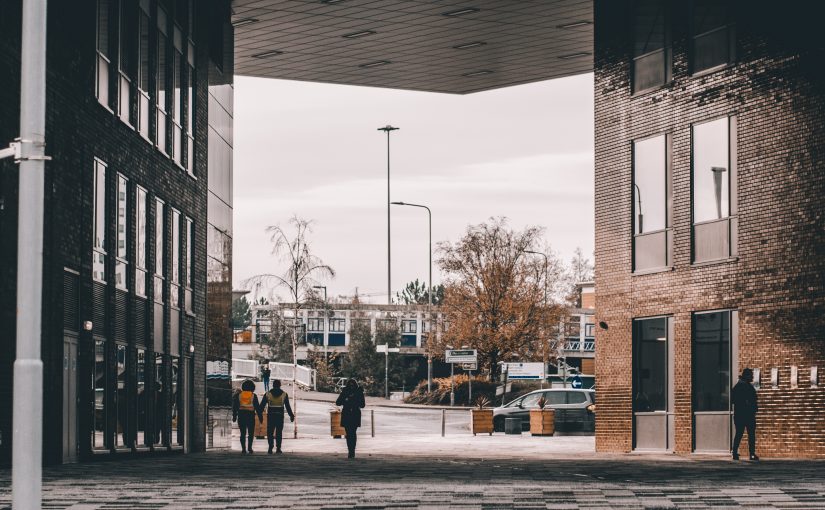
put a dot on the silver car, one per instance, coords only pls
(575, 410)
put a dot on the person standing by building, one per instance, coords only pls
(244, 408)
(351, 401)
(265, 374)
(276, 401)
(743, 398)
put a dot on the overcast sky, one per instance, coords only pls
(313, 150)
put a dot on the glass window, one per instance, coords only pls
(190, 108)
(120, 400)
(141, 438)
(650, 55)
(122, 229)
(711, 361)
(649, 185)
(175, 248)
(711, 170)
(177, 404)
(555, 398)
(160, 83)
(99, 246)
(576, 397)
(712, 36)
(190, 232)
(103, 61)
(143, 68)
(315, 324)
(178, 66)
(409, 326)
(160, 273)
(159, 436)
(125, 37)
(650, 365)
(140, 242)
(99, 387)
(338, 325)
(531, 400)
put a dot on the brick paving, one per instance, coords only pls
(229, 480)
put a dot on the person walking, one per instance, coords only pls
(244, 408)
(351, 401)
(265, 374)
(743, 398)
(276, 401)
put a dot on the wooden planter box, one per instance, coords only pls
(482, 421)
(335, 428)
(542, 422)
(260, 427)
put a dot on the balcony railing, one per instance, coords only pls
(576, 345)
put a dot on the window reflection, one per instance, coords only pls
(711, 171)
(99, 234)
(99, 388)
(177, 404)
(159, 253)
(650, 365)
(140, 243)
(120, 250)
(711, 361)
(650, 185)
(141, 437)
(159, 400)
(120, 401)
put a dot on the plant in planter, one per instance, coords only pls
(482, 419)
(542, 420)
(335, 428)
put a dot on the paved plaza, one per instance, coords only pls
(478, 473)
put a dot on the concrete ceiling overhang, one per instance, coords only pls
(447, 46)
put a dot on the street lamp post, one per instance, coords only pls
(388, 129)
(639, 215)
(429, 295)
(452, 385)
(326, 326)
(544, 340)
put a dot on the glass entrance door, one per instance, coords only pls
(714, 367)
(653, 384)
(69, 399)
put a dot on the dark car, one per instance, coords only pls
(574, 410)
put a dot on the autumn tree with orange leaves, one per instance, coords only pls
(494, 295)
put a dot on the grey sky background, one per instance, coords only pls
(313, 150)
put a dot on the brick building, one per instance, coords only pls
(137, 231)
(710, 245)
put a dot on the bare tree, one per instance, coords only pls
(304, 270)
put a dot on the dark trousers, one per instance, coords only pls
(741, 425)
(352, 438)
(246, 422)
(266, 384)
(275, 423)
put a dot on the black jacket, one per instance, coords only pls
(351, 402)
(275, 393)
(743, 398)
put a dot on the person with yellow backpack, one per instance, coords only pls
(276, 400)
(244, 408)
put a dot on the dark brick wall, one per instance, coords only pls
(78, 130)
(776, 89)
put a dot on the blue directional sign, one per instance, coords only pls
(577, 382)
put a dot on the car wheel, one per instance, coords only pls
(498, 424)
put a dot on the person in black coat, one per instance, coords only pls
(351, 401)
(277, 401)
(743, 398)
(244, 408)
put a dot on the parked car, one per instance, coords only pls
(575, 409)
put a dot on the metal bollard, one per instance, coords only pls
(443, 421)
(372, 423)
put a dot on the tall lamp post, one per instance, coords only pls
(429, 295)
(544, 340)
(387, 129)
(326, 320)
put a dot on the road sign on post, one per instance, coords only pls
(525, 370)
(461, 356)
(469, 366)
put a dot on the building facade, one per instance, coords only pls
(709, 223)
(129, 222)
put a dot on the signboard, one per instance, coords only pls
(576, 383)
(461, 356)
(383, 348)
(469, 366)
(524, 370)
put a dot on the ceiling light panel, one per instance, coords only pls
(244, 21)
(378, 63)
(467, 46)
(460, 12)
(575, 24)
(356, 35)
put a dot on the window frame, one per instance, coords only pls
(141, 270)
(162, 81)
(159, 251)
(124, 81)
(99, 224)
(143, 75)
(103, 60)
(122, 261)
(635, 195)
(732, 218)
(729, 27)
(666, 50)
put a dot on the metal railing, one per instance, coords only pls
(303, 376)
(244, 368)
